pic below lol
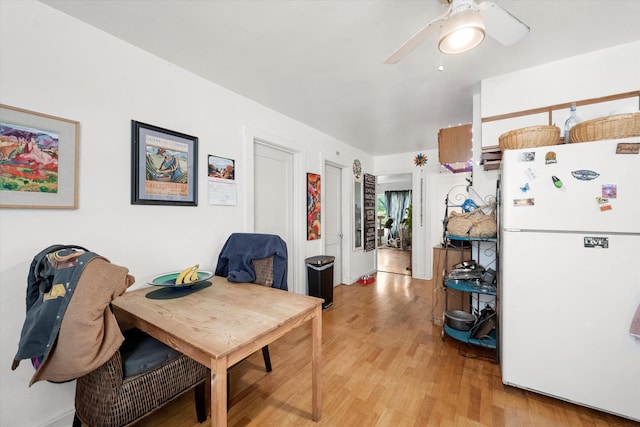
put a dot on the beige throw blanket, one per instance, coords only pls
(89, 334)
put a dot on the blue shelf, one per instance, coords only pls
(465, 336)
(471, 239)
(468, 286)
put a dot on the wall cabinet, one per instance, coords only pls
(455, 150)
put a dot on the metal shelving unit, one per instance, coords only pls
(470, 287)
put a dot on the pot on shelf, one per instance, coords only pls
(459, 320)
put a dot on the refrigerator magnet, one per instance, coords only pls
(604, 204)
(609, 191)
(628, 148)
(528, 156)
(550, 158)
(531, 173)
(524, 202)
(585, 175)
(525, 188)
(556, 181)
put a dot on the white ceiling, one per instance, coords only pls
(321, 61)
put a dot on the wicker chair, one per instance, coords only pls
(109, 397)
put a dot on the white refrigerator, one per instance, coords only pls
(569, 282)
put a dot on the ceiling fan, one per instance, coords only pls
(462, 27)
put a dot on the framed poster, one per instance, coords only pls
(38, 160)
(313, 206)
(164, 166)
(369, 195)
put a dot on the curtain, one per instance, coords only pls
(396, 203)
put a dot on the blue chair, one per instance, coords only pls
(257, 258)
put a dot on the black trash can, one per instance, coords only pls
(320, 278)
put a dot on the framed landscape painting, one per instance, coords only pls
(38, 160)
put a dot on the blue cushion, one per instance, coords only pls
(141, 353)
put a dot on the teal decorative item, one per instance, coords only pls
(169, 279)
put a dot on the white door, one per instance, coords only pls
(331, 197)
(273, 196)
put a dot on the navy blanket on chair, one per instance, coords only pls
(235, 264)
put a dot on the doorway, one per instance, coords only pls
(394, 206)
(332, 196)
(273, 210)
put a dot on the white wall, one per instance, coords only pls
(592, 75)
(52, 63)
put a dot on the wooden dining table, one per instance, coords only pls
(221, 324)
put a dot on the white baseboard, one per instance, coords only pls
(64, 420)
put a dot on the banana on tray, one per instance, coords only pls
(188, 275)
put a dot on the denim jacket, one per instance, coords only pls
(53, 276)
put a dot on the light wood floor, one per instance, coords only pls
(394, 260)
(384, 364)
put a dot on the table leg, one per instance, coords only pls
(219, 392)
(316, 362)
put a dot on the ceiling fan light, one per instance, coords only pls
(461, 32)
